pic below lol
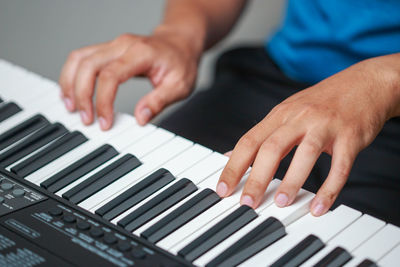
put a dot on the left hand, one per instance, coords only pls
(340, 116)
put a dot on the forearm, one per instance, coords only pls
(202, 23)
(385, 74)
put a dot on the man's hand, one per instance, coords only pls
(339, 116)
(166, 59)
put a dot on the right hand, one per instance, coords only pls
(168, 60)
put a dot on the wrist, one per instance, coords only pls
(192, 39)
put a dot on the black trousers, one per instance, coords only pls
(247, 85)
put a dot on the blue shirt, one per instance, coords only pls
(319, 38)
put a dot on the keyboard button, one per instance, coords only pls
(183, 214)
(69, 218)
(110, 239)
(219, 232)
(158, 204)
(135, 194)
(103, 178)
(48, 154)
(79, 168)
(336, 258)
(7, 110)
(259, 238)
(301, 252)
(124, 246)
(56, 212)
(37, 140)
(6, 186)
(82, 225)
(22, 130)
(96, 232)
(138, 254)
(18, 192)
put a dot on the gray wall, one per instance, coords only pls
(38, 35)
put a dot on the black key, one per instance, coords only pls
(301, 252)
(222, 230)
(336, 258)
(183, 214)
(1, 100)
(135, 194)
(22, 130)
(160, 203)
(79, 168)
(8, 110)
(367, 263)
(56, 149)
(265, 234)
(102, 178)
(40, 138)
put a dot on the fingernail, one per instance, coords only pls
(222, 189)
(146, 114)
(68, 103)
(281, 200)
(318, 210)
(84, 116)
(247, 200)
(103, 123)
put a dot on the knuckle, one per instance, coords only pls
(272, 145)
(329, 195)
(229, 174)
(158, 102)
(107, 74)
(247, 141)
(124, 38)
(312, 147)
(254, 185)
(75, 55)
(86, 64)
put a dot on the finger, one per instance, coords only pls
(342, 160)
(228, 154)
(243, 156)
(300, 168)
(86, 74)
(271, 152)
(134, 62)
(68, 72)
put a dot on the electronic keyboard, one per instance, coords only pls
(73, 195)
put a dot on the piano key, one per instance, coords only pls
(22, 130)
(135, 194)
(79, 168)
(51, 152)
(40, 138)
(301, 252)
(267, 209)
(1, 100)
(158, 204)
(152, 162)
(210, 216)
(204, 169)
(103, 178)
(324, 227)
(377, 246)
(188, 211)
(392, 258)
(367, 263)
(266, 233)
(131, 135)
(336, 258)
(8, 109)
(219, 232)
(351, 237)
(82, 150)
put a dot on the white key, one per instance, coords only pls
(155, 138)
(131, 135)
(187, 159)
(268, 209)
(201, 170)
(325, 227)
(350, 238)
(391, 259)
(377, 246)
(204, 168)
(149, 143)
(151, 162)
